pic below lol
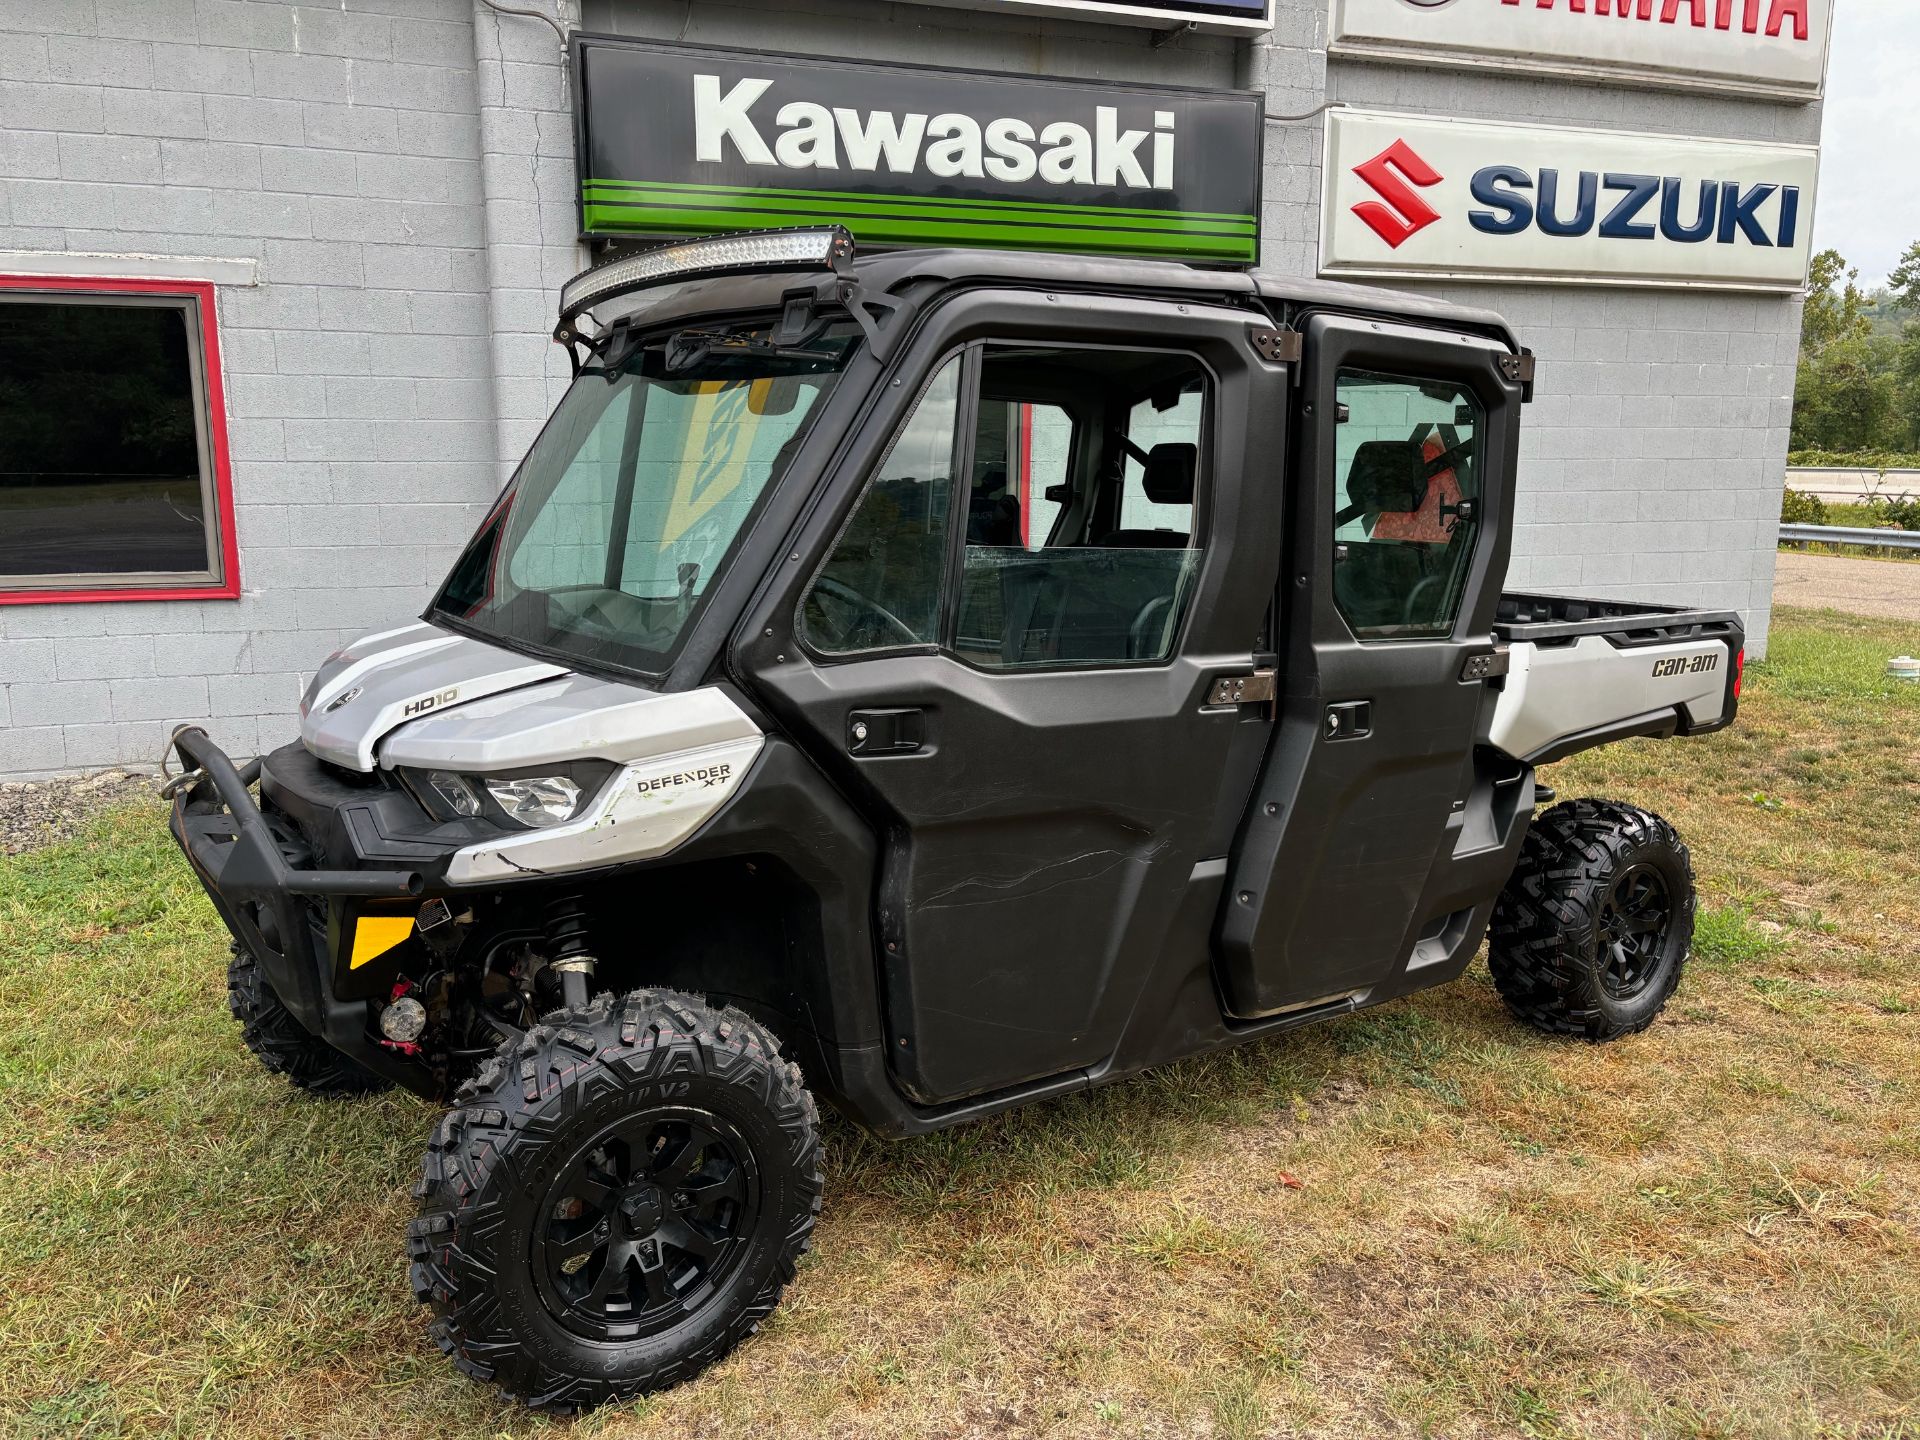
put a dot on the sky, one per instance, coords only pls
(1869, 208)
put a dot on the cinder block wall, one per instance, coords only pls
(340, 147)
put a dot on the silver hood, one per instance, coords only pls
(382, 681)
(421, 697)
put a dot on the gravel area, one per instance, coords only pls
(38, 812)
(1886, 588)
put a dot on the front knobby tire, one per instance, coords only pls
(283, 1044)
(1590, 934)
(617, 1201)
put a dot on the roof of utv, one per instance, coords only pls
(890, 271)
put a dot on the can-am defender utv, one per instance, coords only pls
(932, 681)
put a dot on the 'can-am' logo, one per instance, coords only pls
(1404, 214)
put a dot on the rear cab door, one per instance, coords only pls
(1379, 820)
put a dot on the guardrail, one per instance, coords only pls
(1848, 535)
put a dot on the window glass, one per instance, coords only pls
(1406, 495)
(881, 586)
(1104, 579)
(632, 500)
(105, 467)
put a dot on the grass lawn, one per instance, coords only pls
(1420, 1220)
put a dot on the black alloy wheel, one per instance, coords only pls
(646, 1223)
(1633, 924)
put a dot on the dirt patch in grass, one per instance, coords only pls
(34, 813)
(1423, 1220)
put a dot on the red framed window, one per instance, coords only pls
(114, 478)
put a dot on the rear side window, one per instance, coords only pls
(1406, 503)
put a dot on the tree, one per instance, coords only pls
(1846, 395)
(1904, 282)
(1829, 315)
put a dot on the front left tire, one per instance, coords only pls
(617, 1201)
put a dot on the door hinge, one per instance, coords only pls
(1484, 667)
(1257, 688)
(1519, 370)
(1277, 347)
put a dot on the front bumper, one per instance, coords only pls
(288, 913)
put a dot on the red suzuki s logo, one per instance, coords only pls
(1392, 174)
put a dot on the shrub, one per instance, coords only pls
(1799, 508)
(1855, 460)
(1901, 511)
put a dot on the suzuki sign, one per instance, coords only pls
(1427, 198)
(1753, 47)
(677, 140)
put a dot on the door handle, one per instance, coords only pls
(1350, 720)
(885, 732)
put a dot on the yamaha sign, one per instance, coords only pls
(1430, 198)
(1775, 48)
(678, 140)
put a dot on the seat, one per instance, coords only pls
(1167, 479)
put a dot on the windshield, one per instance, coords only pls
(629, 504)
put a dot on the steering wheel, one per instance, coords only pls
(864, 623)
(1410, 613)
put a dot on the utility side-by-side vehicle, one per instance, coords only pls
(929, 681)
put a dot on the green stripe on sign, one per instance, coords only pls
(928, 230)
(918, 202)
(757, 203)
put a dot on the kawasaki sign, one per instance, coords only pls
(1430, 198)
(675, 140)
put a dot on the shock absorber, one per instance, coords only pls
(570, 949)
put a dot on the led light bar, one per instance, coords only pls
(802, 249)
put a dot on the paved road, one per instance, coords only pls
(1887, 588)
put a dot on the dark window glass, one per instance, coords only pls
(104, 476)
(1099, 570)
(880, 588)
(1406, 492)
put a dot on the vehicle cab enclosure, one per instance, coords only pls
(997, 673)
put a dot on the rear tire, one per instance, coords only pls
(283, 1044)
(1591, 932)
(617, 1201)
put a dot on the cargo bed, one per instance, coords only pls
(1582, 673)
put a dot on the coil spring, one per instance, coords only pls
(568, 937)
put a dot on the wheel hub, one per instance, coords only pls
(643, 1210)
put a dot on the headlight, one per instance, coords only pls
(455, 791)
(524, 799)
(539, 800)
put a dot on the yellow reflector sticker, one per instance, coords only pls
(374, 935)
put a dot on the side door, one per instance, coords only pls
(1402, 480)
(1003, 640)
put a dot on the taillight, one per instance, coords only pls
(1739, 670)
